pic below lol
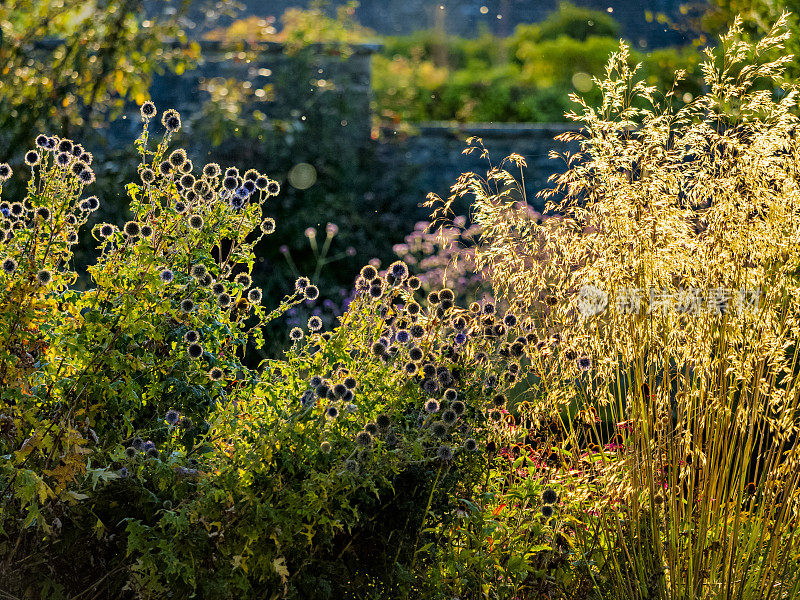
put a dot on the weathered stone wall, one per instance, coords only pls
(435, 153)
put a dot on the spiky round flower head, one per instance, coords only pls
(65, 145)
(43, 213)
(495, 415)
(152, 453)
(413, 283)
(250, 186)
(488, 308)
(147, 110)
(301, 283)
(314, 323)
(332, 412)
(232, 172)
(132, 228)
(196, 222)
(131, 452)
(72, 237)
(383, 421)
(148, 445)
(262, 182)
(5, 172)
(549, 496)
(86, 158)
(449, 416)
(273, 188)
(458, 407)
(211, 170)
(368, 272)
(431, 406)
(17, 209)
(410, 368)
(78, 167)
(215, 374)
(230, 183)
(195, 351)
(41, 141)
(547, 511)
(180, 207)
(198, 270)
(402, 336)
(254, 296)
(268, 226)
(296, 334)
(584, 363)
(351, 465)
(187, 305)
(364, 439)
(177, 157)
(171, 120)
(9, 266)
(86, 176)
(399, 270)
(166, 275)
(433, 298)
(191, 336)
(510, 319)
(172, 417)
(244, 280)
(224, 300)
(250, 175)
(339, 390)
(415, 354)
(32, 158)
(325, 447)
(470, 445)
(444, 453)
(63, 159)
(147, 175)
(164, 168)
(416, 331)
(44, 277)
(499, 400)
(218, 289)
(188, 181)
(450, 395)
(460, 338)
(439, 429)
(138, 443)
(106, 230)
(379, 348)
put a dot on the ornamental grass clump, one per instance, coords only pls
(670, 275)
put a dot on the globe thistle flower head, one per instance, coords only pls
(147, 110)
(314, 323)
(164, 168)
(458, 407)
(230, 184)
(41, 141)
(399, 270)
(301, 283)
(510, 320)
(123, 472)
(402, 336)
(254, 296)
(547, 511)
(584, 363)
(138, 443)
(242, 194)
(166, 275)
(86, 157)
(250, 186)
(63, 159)
(311, 292)
(78, 167)
(9, 266)
(215, 374)
(187, 182)
(549, 496)
(44, 277)
(72, 237)
(131, 452)
(65, 145)
(224, 300)
(132, 229)
(296, 334)
(350, 383)
(450, 395)
(470, 445)
(325, 447)
(368, 272)
(495, 415)
(152, 453)
(148, 445)
(5, 172)
(446, 295)
(198, 270)
(364, 439)
(415, 354)
(195, 351)
(413, 283)
(499, 400)
(196, 222)
(262, 182)
(43, 213)
(86, 176)
(449, 416)
(180, 207)
(244, 280)
(273, 188)
(439, 429)
(339, 390)
(332, 412)
(177, 158)
(268, 226)
(172, 417)
(187, 305)
(218, 289)
(488, 308)
(211, 170)
(444, 453)
(431, 406)
(147, 175)
(171, 120)
(379, 348)
(32, 158)
(460, 338)
(322, 390)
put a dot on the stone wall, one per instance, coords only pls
(434, 153)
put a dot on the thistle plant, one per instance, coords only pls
(670, 276)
